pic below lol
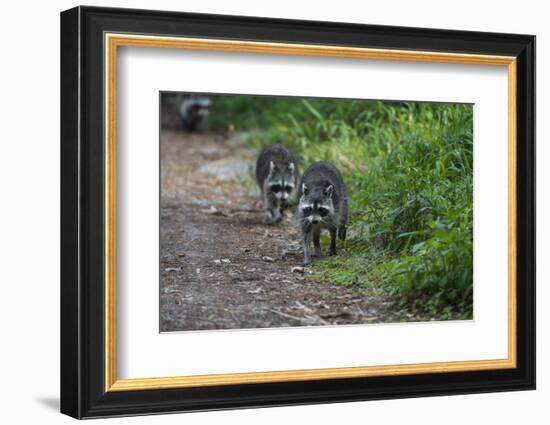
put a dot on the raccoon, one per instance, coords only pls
(323, 204)
(277, 176)
(194, 111)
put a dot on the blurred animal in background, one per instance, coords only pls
(323, 204)
(194, 110)
(277, 175)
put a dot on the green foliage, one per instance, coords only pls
(408, 170)
(359, 270)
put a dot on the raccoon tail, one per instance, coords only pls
(342, 232)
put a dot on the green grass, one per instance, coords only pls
(408, 171)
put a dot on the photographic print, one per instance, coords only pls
(323, 191)
(287, 211)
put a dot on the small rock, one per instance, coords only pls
(172, 269)
(181, 254)
(227, 169)
(218, 261)
(297, 269)
(268, 259)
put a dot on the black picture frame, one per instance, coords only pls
(83, 392)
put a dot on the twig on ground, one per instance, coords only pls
(288, 316)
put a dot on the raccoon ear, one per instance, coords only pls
(291, 167)
(304, 189)
(328, 191)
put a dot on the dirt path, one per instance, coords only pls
(221, 266)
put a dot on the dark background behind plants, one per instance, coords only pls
(408, 170)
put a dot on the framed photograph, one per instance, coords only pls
(261, 212)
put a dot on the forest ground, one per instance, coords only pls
(221, 265)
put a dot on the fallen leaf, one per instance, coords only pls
(255, 291)
(211, 210)
(214, 211)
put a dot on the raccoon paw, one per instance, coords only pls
(342, 233)
(275, 220)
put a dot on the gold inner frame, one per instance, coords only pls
(113, 41)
